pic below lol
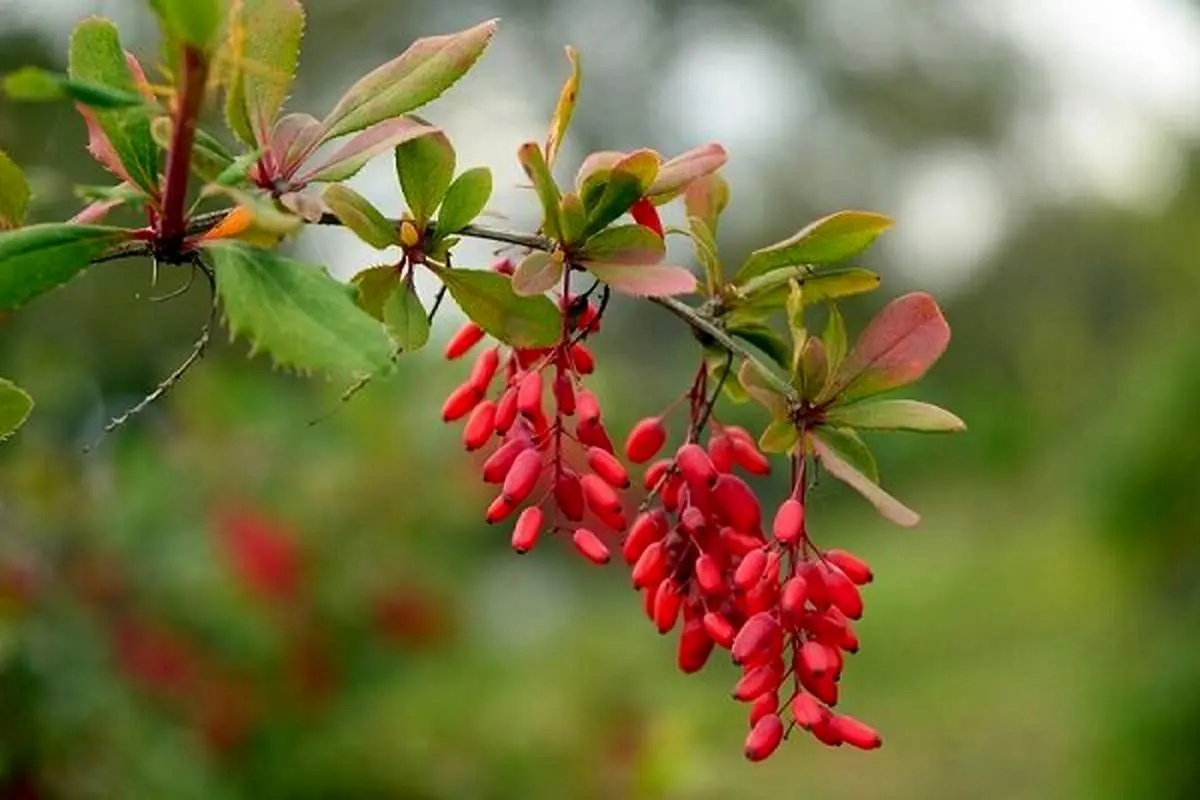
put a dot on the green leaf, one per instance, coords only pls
(374, 286)
(195, 22)
(891, 508)
(420, 74)
(834, 338)
(631, 245)
(15, 406)
(237, 172)
(534, 163)
(896, 415)
(757, 386)
(565, 108)
(799, 333)
(357, 214)
(705, 244)
(850, 447)
(38, 258)
(837, 237)
(780, 436)
(210, 158)
(97, 57)
(537, 273)
(814, 368)
(464, 200)
(832, 284)
(574, 219)
(706, 198)
(489, 300)
(33, 84)
(718, 361)
(263, 46)
(297, 313)
(406, 319)
(14, 193)
(765, 338)
(425, 166)
(896, 348)
(628, 182)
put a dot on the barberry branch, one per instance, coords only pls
(190, 101)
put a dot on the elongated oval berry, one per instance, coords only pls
(855, 568)
(484, 369)
(523, 476)
(754, 636)
(497, 465)
(590, 546)
(695, 646)
(651, 567)
(693, 522)
(814, 657)
(592, 433)
(763, 596)
(825, 732)
(696, 466)
(656, 474)
(480, 425)
(764, 704)
(736, 500)
(645, 214)
(843, 594)
(582, 359)
(739, 544)
(764, 738)
(750, 571)
(600, 496)
(746, 453)
(855, 733)
(720, 450)
(587, 405)
(755, 682)
(529, 395)
(568, 494)
(506, 410)
(528, 529)
(499, 510)
(719, 629)
(808, 711)
(645, 440)
(647, 529)
(788, 526)
(605, 464)
(818, 595)
(461, 402)
(564, 394)
(613, 518)
(666, 605)
(795, 593)
(463, 340)
(822, 686)
(708, 575)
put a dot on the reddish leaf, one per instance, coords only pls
(350, 157)
(897, 347)
(293, 140)
(678, 172)
(649, 280)
(891, 508)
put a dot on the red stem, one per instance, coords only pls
(193, 78)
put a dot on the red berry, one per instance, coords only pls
(480, 425)
(719, 629)
(666, 605)
(720, 450)
(795, 592)
(529, 395)
(736, 500)
(808, 711)
(500, 462)
(463, 340)
(739, 544)
(506, 410)
(818, 595)
(815, 658)
(788, 526)
(825, 732)
(693, 522)
(503, 265)
(485, 368)
(842, 592)
(855, 733)
(645, 440)
(590, 546)
(655, 474)
(648, 528)
(746, 453)
(461, 402)
(591, 433)
(697, 467)
(499, 509)
(695, 646)
(754, 637)
(855, 568)
(708, 575)
(601, 497)
(765, 704)
(750, 571)
(522, 477)
(527, 530)
(564, 394)
(645, 214)
(587, 405)
(582, 359)
(764, 738)
(568, 494)
(651, 567)
(755, 682)
(605, 464)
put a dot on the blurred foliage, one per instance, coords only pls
(1031, 639)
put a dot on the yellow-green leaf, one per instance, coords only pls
(193, 21)
(780, 436)
(357, 214)
(837, 237)
(762, 391)
(406, 319)
(537, 273)
(425, 166)
(564, 109)
(896, 415)
(262, 48)
(14, 193)
(464, 201)
(489, 300)
(533, 161)
(38, 258)
(374, 286)
(15, 405)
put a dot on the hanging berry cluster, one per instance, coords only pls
(700, 548)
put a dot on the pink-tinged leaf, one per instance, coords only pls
(897, 347)
(100, 146)
(93, 213)
(675, 174)
(628, 245)
(565, 108)
(537, 273)
(654, 280)
(293, 140)
(705, 199)
(596, 165)
(139, 78)
(891, 508)
(348, 159)
(420, 74)
(308, 206)
(263, 48)
(628, 181)
(896, 415)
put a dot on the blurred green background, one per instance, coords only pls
(224, 602)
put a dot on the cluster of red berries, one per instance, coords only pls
(564, 460)
(783, 608)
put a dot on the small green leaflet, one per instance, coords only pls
(464, 200)
(192, 21)
(15, 405)
(297, 313)
(14, 193)
(38, 258)
(34, 84)
(357, 214)
(425, 166)
(263, 42)
(779, 437)
(837, 237)
(489, 300)
(406, 319)
(896, 415)
(534, 163)
(374, 286)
